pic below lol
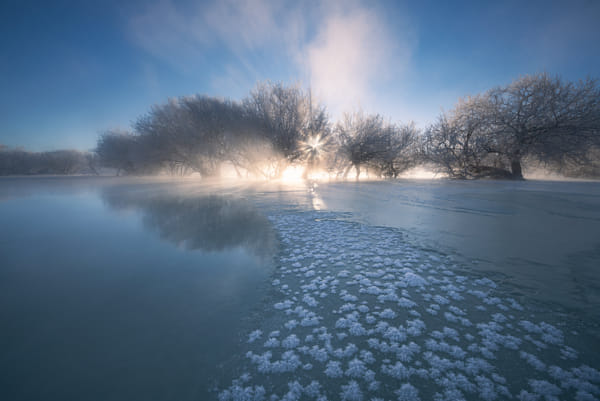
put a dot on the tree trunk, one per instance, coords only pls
(515, 168)
(237, 171)
(347, 171)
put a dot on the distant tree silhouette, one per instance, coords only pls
(59, 162)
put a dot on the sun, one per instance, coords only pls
(314, 143)
(312, 147)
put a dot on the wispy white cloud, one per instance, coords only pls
(169, 33)
(344, 50)
(246, 24)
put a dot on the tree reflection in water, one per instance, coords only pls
(208, 223)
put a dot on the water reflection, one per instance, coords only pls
(316, 200)
(208, 223)
(94, 305)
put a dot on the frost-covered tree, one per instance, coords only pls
(187, 133)
(368, 141)
(289, 121)
(459, 141)
(536, 116)
(261, 135)
(400, 150)
(119, 150)
(544, 117)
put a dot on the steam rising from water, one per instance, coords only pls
(352, 53)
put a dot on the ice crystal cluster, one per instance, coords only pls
(360, 313)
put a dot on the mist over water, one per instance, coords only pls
(158, 289)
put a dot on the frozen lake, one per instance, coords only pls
(128, 289)
(543, 237)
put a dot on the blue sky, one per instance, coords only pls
(72, 69)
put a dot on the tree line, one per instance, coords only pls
(273, 128)
(536, 121)
(58, 162)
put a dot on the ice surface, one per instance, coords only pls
(381, 318)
